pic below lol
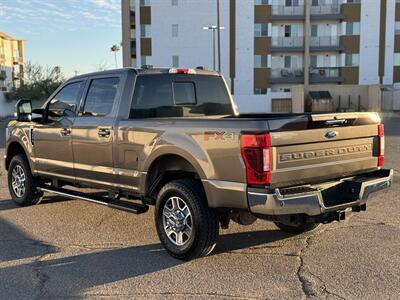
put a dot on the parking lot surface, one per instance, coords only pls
(72, 249)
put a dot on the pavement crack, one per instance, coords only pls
(305, 284)
(39, 269)
(105, 218)
(312, 285)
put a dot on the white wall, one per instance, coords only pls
(244, 48)
(369, 42)
(253, 103)
(193, 44)
(389, 41)
(6, 108)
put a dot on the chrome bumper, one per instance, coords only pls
(315, 200)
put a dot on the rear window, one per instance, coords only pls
(179, 95)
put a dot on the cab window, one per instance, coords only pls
(101, 96)
(66, 100)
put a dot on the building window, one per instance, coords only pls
(259, 91)
(323, 61)
(175, 61)
(260, 61)
(144, 2)
(291, 2)
(353, 28)
(351, 60)
(260, 30)
(260, 2)
(397, 28)
(396, 62)
(175, 30)
(145, 31)
(146, 60)
(174, 2)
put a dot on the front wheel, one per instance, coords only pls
(21, 184)
(186, 226)
(296, 229)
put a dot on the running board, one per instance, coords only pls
(117, 204)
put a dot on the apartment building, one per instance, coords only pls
(11, 62)
(271, 47)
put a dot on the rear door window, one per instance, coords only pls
(100, 97)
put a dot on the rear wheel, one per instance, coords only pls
(296, 229)
(21, 184)
(186, 226)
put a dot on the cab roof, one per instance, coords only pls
(149, 70)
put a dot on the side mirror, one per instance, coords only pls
(23, 110)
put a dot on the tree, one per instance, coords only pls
(39, 82)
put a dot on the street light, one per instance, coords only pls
(214, 28)
(115, 48)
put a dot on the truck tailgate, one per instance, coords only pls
(319, 154)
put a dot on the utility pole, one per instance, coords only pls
(218, 37)
(213, 28)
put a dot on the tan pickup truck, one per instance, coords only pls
(172, 138)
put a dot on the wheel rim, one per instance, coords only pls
(18, 181)
(177, 220)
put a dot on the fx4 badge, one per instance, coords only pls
(219, 136)
(330, 134)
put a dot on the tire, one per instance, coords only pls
(296, 229)
(21, 184)
(182, 211)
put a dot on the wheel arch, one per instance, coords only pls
(168, 167)
(13, 149)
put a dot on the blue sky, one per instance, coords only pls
(72, 34)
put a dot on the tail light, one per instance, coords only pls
(256, 154)
(381, 145)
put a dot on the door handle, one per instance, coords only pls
(103, 132)
(65, 132)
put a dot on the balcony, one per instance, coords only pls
(287, 75)
(325, 43)
(282, 12)
(287, 44)
(331, 12)
(325, 75)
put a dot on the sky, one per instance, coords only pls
(74, 34)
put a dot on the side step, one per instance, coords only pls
(117, 204)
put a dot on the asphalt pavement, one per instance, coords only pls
(72, 249)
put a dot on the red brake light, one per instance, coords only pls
(181, 71)
(256, 154)
(381, 145)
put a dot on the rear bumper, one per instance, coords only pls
(319, 199)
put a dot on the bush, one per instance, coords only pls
(39, 83)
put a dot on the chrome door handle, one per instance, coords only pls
(104, 132)
(65, 132)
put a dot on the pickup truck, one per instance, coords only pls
(172, 138)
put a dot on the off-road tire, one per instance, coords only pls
(296, 229)
(205, 224)
(31, 195)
